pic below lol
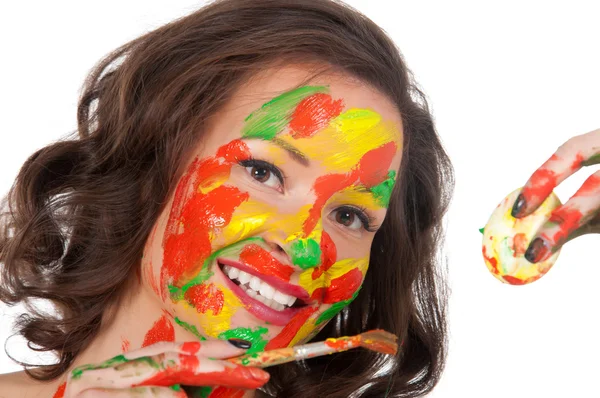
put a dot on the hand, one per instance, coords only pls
(579, 215)
(159, 370)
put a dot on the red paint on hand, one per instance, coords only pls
(162, 330)
(125, 344)
(205, 297)
(568, 220)
(313, 113)
(226, 392)
(540, 185)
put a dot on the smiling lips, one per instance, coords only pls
(266, 297)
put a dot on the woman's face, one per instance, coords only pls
(267, 236)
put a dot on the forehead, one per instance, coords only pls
(229, 122)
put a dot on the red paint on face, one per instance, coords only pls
(313, 113)
(125, 344)
(198, 213)
(185, 253)
(493, 262)
(60, 392)
(162, 330)
(568, 220)
(371, 170)
(226, 392)
(290, 330)
(261, 260)
(344, 287)
(328, 255)
(205, 297)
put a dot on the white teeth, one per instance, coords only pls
(259, 290)
(267, 290)
(281, 298)
(244, 277)
(255, 283)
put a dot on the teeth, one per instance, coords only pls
(244, 277)
(259, 290)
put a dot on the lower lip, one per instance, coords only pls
(258, 309)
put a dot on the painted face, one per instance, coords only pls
(267, 236)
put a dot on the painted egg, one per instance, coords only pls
(505, 240)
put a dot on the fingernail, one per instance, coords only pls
(239, 343)
(537, 250)
(519, 206)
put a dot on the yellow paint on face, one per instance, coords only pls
(212, 183)
(213, 325)
(338, 269)
(341, 144)
(305, 330)
(356, 195)
(247, 219)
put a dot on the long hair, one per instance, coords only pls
(77, 217)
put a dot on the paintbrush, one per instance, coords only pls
(375, 340)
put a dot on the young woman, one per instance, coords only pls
(235, 174)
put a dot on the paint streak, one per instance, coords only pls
(513, 280)
(542, 182)
(335, 308)
(590, 187)
(254, 336)
(262, 261)
(343, 343)
(314, 113)
(289, 331)
(344, 287)
(383, 191)
(205, 297)
(272, 117)
(337, 270)
(491, 261)
(328, 255)
(213, 325)
(191, 347)
(60, 392)
(162, 330)
(125, 345)
(519, 244)
(190, 328)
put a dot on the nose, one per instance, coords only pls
(294, 250)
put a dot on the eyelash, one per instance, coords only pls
(365, 218)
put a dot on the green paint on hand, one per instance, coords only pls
(306, 253)
(382, 192)
(481, 230)
(201, 392)
(272, 117)
(253, 336)
(332, 311)
(190, 328)
(119, 359)
(175, 387)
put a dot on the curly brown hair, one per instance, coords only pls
(77, 217)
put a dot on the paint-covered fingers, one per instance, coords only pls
(186, 364)
(137, 392)
(581, 150)
(576, 217)
(217, 349)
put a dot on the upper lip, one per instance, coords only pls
(284, 287)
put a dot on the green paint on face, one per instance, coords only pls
(253, 336)
(271, 118)
(382, 192)
(306, 253)
(332, 311)
(119, 359)
(481, 230)
(189, 328)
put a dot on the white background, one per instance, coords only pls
(508, 83)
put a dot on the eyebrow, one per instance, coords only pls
(294, 152)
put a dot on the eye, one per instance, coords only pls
(353, 218)
(264, 173)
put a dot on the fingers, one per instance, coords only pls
(166, 369)
(565, 222)
(138, 392)
(579, 151)
(218, 349)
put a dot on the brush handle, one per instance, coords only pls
(290, 354)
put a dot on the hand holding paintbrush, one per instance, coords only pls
(375, 340)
